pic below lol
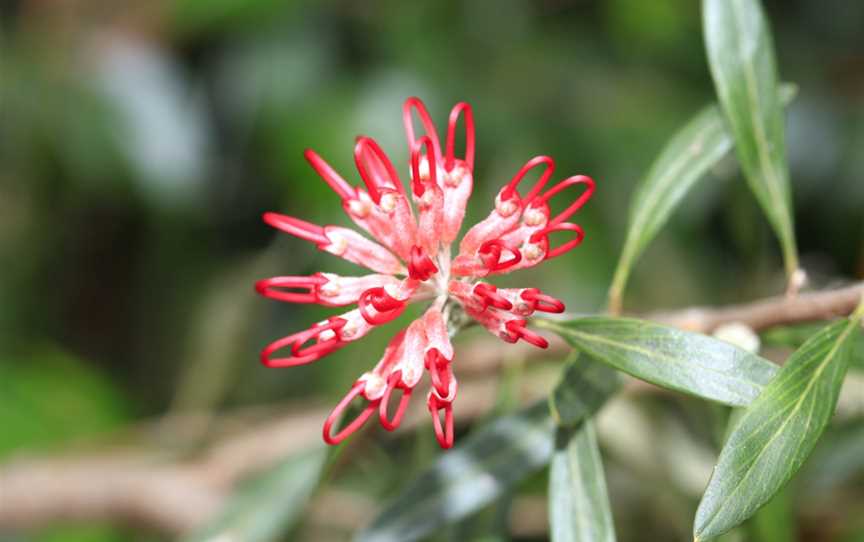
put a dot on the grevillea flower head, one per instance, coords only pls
(414, 227)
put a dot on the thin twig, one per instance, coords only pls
(172, 496)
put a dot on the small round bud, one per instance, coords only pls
(338, 244)
(423, 166)
(359, 208)
(522, 308)
(410, 374)
(375, 386)
(330, 288)
(388, 202)
(455, 177)
(534, 217)
(532, 251)
(349, 330)
(426, 199)
(505, 208)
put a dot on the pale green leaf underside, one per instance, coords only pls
(490, 461)
(687, 362)
(777, 432)
(584, 387)
(742, 62)
(579, 508)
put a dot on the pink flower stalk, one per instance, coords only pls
(412, 262)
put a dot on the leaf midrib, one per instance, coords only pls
(496, 459)
(662, 357)
(771, 175)
(837, 344)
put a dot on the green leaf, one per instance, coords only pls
(270, 504)
(775, 522)
(741, 57)
(584, 387)
(671, 358)
(777, 432)
(794, 336)
(692, 151)
(578, 502)
(490, 461)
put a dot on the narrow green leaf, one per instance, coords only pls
(775, 522)
(584, 387)
(692, 151)
(698, 146)
(671, 358)
(794, 336)
(462, 481)
(489, 462)
(778, 431)
(741, 57)
(578, 502)
(269, 505)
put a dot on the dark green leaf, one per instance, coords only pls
(490, 461)
(671, 358)
(578, 502)
(777, 432)
(691, 152)
(584, 387)
(741, 57)
(270, 504)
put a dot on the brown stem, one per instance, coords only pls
(171, 496)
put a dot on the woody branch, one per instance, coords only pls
(174, 496)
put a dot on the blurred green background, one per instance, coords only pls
(140, 141)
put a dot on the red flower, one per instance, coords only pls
(412, 262)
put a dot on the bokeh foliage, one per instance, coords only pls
(140, 142)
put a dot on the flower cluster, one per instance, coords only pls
(412, 262)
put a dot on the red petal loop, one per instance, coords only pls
(382, 176)
(542, 302)
(386, 307)
(443, 432)
(355, 424)
(510, 189)
(300, 355)
(519, 331)
(299, 228)
(408, 107)
(420, 265)
(440, 372)
(417, 182)
(566, 247)
(449, 159)
(576, 205)
(394, 382)
(336, 182)
(272, 288)
(488, 295)
(490, 254)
